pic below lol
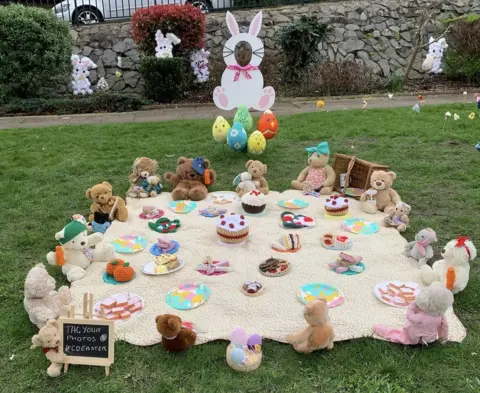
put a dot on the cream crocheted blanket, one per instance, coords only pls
(277, 311)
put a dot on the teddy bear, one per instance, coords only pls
(318, 175)
(386, 197)
(421, 248)
(49, 339)
(175, 338)
(319, 332)
(41, 301)
(105, 202)
(143, 167)
(151, 186)
(74, 254)
(453, 270)
(257, 170)
(425, 319)
(191, 179)
(399, 217)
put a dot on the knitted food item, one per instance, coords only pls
(165, 245)
(346, 262)
(112, 266)
(296, 221)
(232, 229)
(124, 273)
(289, 242)
(166, 262)
(336, 242)
(336, 205)
(254, 202)
(274, 267)
(251, 288)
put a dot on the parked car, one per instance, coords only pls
(94, 11)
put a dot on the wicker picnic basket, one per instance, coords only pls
(357, 171)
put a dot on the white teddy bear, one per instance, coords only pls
(456, 254)
(49, 339)
(246, 184)
(81, 84)
(41, 301)
(165, 44)
(77, 254)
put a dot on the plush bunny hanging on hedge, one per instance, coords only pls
(165, 44)
(199, 62)
(80, 83)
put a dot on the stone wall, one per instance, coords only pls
(376, 33)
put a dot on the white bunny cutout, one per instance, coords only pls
(165, 44)
(243, 85)
(80, 83)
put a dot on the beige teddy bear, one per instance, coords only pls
(399, 217)
(257, 171)
(41, 300)
(143, 167)
(385, 196)
(49, 339)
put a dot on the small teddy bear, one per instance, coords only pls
(318, 175)
(453, 271)
(245, 183)
(41, 301)
(386, 197)
(152, 186)
(49, 339)
(319, 332)
(399, 217)
(421, 248)
(256, 169)
(175, 338)
(425, 319)
(104, 201)
(143, 167)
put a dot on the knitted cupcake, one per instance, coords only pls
(254, 202)
(232, 229)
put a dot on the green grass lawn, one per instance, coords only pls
(45, 173)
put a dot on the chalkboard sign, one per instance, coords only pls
(87, 341)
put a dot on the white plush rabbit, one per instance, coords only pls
(199, 63)
(165, 44)
(433, 62)
(80, 83)
(243, 85)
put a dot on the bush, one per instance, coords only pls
(185, 21)
(299, 42)
(165, 79)
(98, 102)
(35, 51)
(462, 58)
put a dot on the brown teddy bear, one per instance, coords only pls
(399, 217)
(49, 338)
(175, 338)
(319, 332)
(105, 202)
(256, 170)
(143, 167)
(318, 175)
(386, 197)
(191, 179)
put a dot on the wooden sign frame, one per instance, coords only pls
(87, 320)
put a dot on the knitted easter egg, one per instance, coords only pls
(237, 138)
(268, 124)
(244, 117)
(220, 129)
(256, 143)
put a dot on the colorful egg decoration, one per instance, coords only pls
(244, 117)
(256, 143)
(237, 138)
(220, 129)
(268, 124)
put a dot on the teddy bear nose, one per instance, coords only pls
(82, 243)
(378, 183)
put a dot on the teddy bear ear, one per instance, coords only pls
(36, 341)
(264, 168)
(249, 162)
(181, 160)
(393, 175)
(52, 322)
(173, 322)
(206, 163)
(89, 193)
(157, 318)
(107, 184)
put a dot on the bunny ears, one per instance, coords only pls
(255, 25)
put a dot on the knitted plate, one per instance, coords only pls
(128, 244)
(149, 268)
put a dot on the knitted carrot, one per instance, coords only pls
(450, 277)
(60, 256)
(207, 177)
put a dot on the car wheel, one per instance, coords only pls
(87, 15)
(204, 5)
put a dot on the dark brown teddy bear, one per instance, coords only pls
(175, 338)
(191, 179)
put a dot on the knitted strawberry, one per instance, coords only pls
(124, 273)
(112, 265)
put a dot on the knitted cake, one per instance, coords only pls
(289, 242)
(336, 205)
(232, 229)
(254, 202)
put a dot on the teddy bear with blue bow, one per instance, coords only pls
(318, 176)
